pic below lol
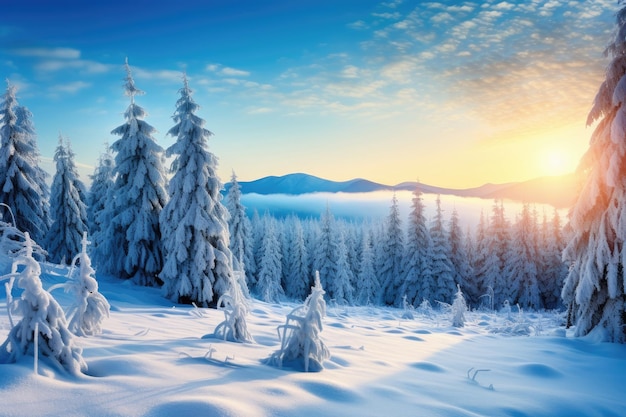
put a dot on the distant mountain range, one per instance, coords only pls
(558, 191)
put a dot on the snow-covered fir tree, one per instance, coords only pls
(69, 215)
(39, 310)
(521, 268)
(98, 199)
(367, 281)
(235, 306)
(301, 344)
(197, 267)
(256, 225)
(553, 269)
(459, 308)
(268, 285)
(342, 282)
(472, 288)
(296, 274)
(390, 274)
(133, 247)
(90, 308)
(458, 252)
(418, 279)
(595, 286)
(23, 184)
(442, 268)
(326, 250)
(493, 250)
(241, 241)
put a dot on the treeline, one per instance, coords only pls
(396, 261)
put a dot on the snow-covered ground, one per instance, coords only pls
(157, 359)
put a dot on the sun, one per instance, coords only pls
(556, 162)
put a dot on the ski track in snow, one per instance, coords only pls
(156, 359)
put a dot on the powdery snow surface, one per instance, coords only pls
(155, 359)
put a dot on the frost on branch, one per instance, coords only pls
(235, 307)
(90, 307)
(301, 345)
(38, 308)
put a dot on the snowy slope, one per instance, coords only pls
(158, 359)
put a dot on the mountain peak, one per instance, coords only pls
(559, 191)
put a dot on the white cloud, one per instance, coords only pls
(92, 67)
(232, 72)
(49, 53)
(359, 25)
(226, 71)
(70, 88)
(164, 75)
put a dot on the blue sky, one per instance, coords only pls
(456, 94)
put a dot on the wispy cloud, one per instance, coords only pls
(87, 66)
(226, 71)
(158, 74)
(49, 53)
(70, 88)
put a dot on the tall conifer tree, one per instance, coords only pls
(595, 287)
(22, 182)
(198, 260)
(133, 246)
(68, 208)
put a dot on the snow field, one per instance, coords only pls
(158, 359)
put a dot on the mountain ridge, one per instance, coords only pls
(558, 191)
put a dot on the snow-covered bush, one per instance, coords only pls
(301, 345)
(459, 307)
(39, 309)
(235, 307)
(90, 307)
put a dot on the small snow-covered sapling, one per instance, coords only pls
(235, 307)
(39, 309)
(90, 307)
(300, 335)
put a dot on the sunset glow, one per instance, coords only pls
(457, 94)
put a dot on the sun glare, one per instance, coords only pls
(556, 162)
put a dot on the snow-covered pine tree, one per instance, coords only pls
(90, 307)
(459, 308)
(521, 268)
(595, 286)
(256, 225)
(98, 199)
(391, 276)
(235, 306)
(133, 247)
(554, 269)
(342, 282)
(270, 267)
(241, 240)
(442, 268)
(418, 279)
(23, 184)
(194, 224)
(69, 216)
(326, 250)
(295, 260)
(493, 250)
(301, 344)
(367, 282)
(472, 288)
(39, 310)
(458, 252)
